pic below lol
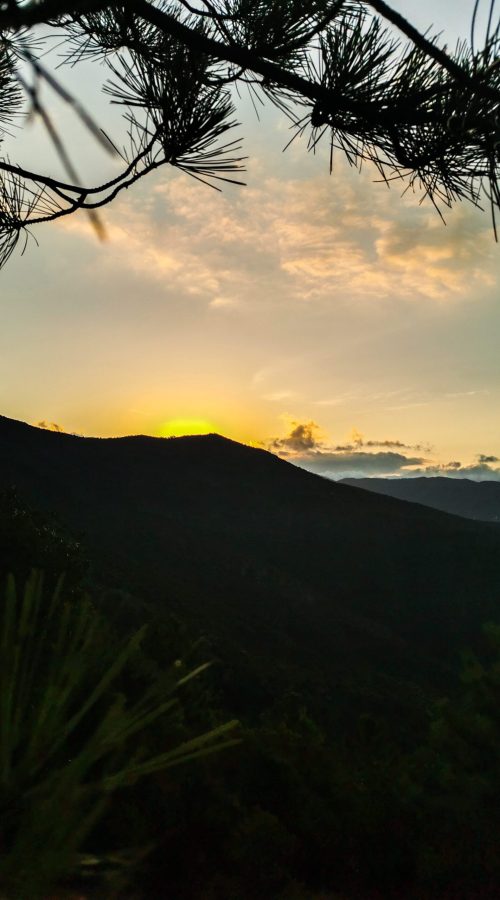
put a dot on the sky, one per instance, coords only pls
(324, 317)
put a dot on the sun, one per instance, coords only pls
(184, 427)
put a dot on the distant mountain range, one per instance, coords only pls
(460, 496)
(298, 578)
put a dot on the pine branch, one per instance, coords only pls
(271, 72)
(46, 11)
(416, 113)
(430, 49)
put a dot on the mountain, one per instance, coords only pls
(296, 579)
(460, 496)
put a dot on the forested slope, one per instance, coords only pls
(274, 562)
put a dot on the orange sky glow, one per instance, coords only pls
(303, 300)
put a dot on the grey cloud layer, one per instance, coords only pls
(304, 447)
(342, 465)
(480, 471)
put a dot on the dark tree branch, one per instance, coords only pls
(48, 11)
(241, 56)
(430, 49)
(273, 73)
(57, 185)
(418, 113)
(82, 203)
(247, 59)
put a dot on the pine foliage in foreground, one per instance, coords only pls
(424, 115)
(68, 737)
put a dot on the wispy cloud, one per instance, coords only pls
(221, 302)
(279, 396)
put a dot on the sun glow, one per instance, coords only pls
(184, 427)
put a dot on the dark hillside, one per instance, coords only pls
(298, 576)
(459, 496)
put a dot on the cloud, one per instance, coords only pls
(50, 426)
(386, 443)
(223, 302)
(358, 464)
(480, 471)
(483, 458)
(302, 438)
(358, 442)
(433, 260)
(305, 446)
(279, 396)
(302, 240)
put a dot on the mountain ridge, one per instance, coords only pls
(478, 500)
(276, 564)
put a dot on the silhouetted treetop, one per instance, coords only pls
(356, 74)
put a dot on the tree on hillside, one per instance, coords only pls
(354, 72)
